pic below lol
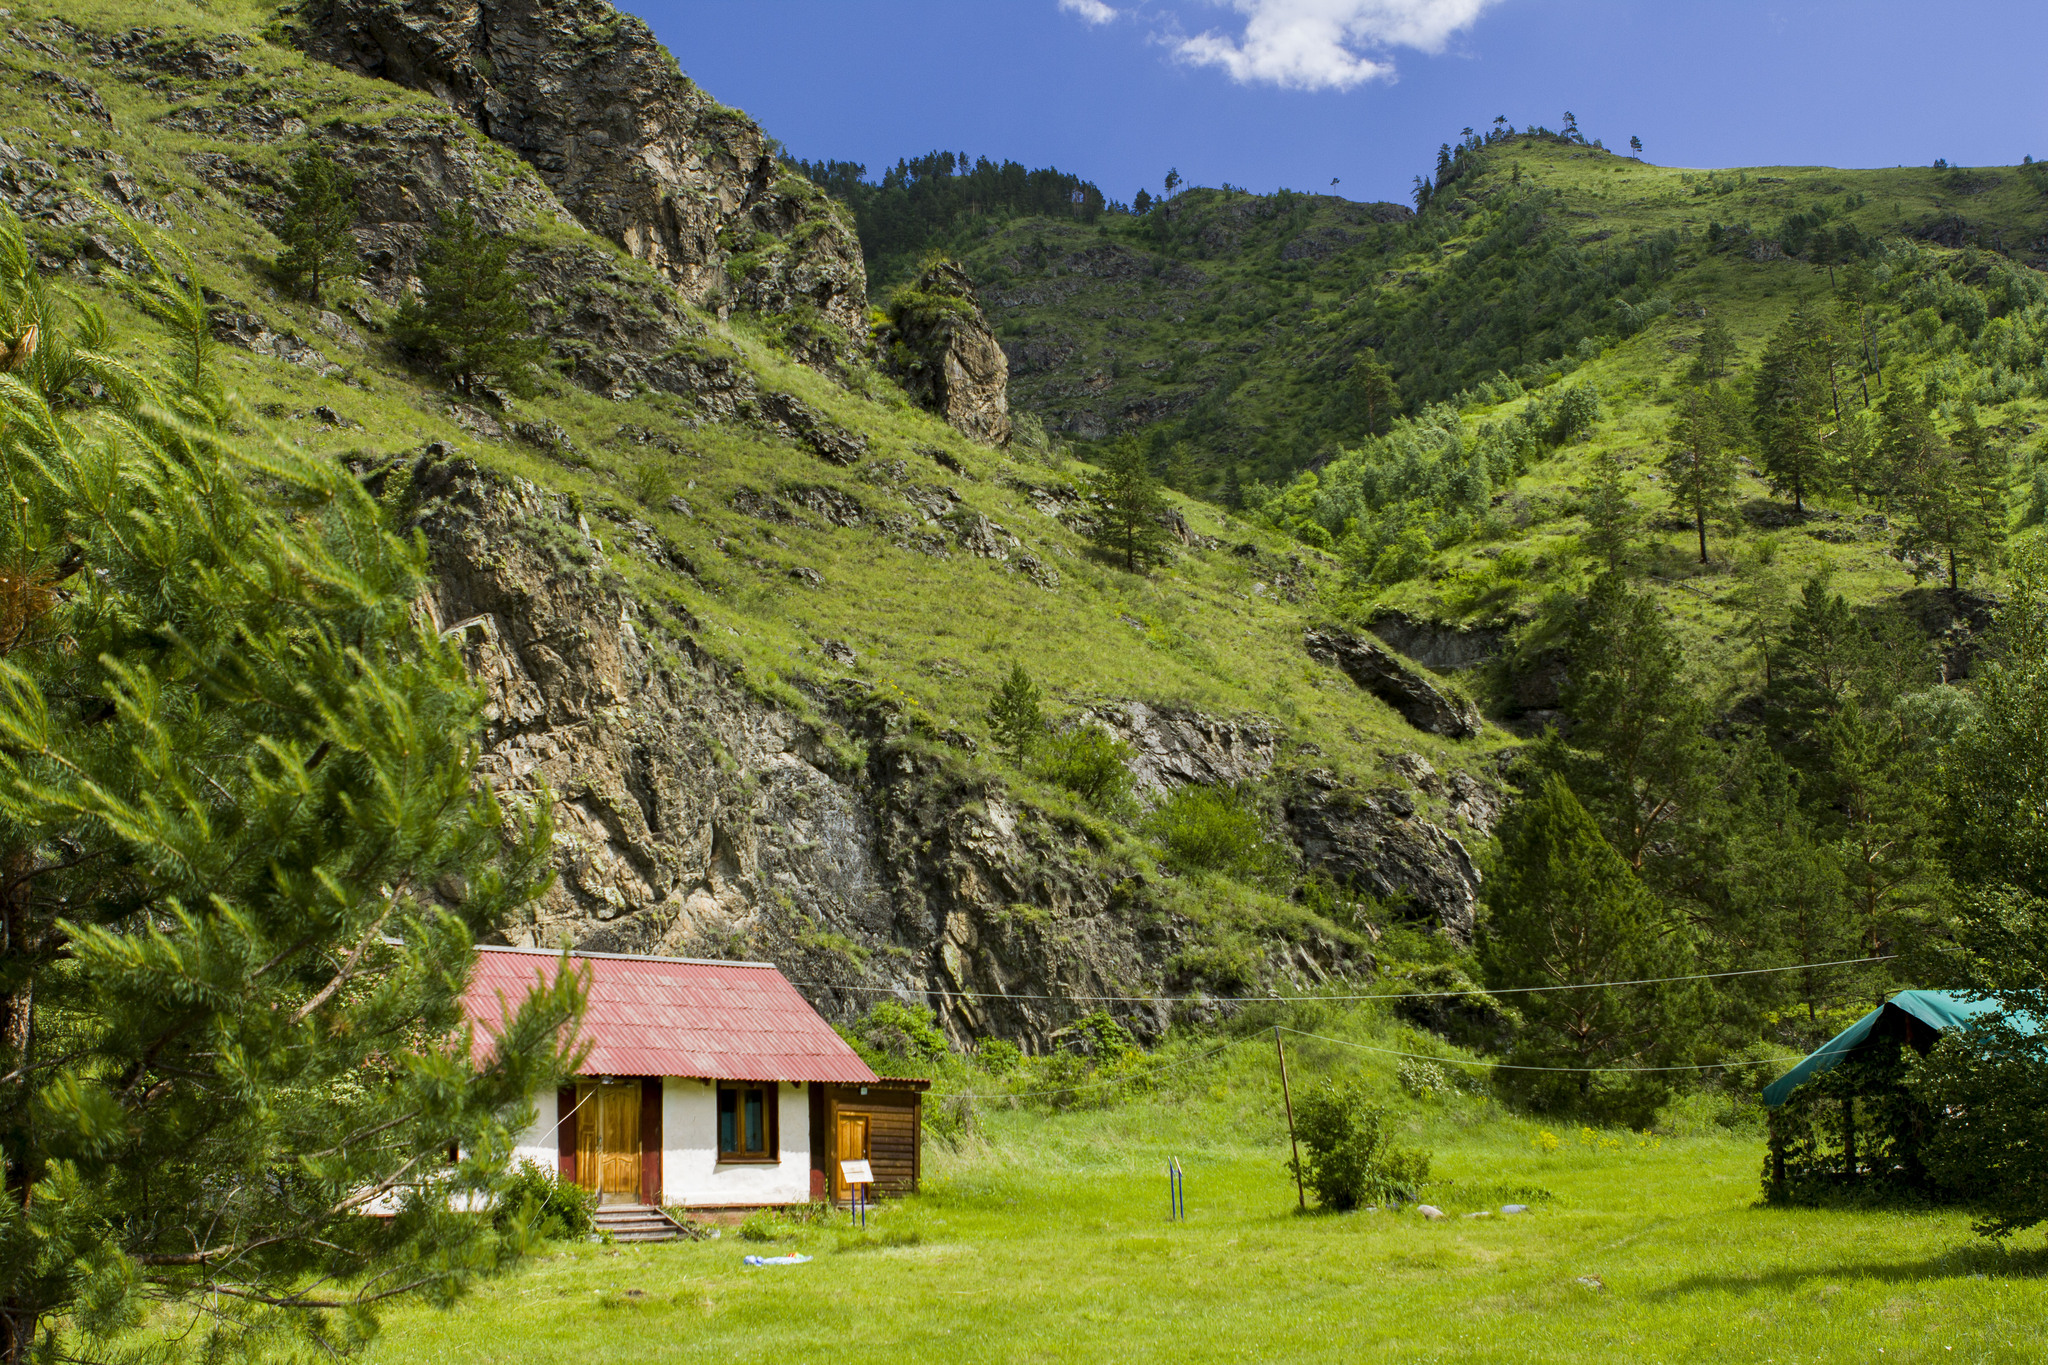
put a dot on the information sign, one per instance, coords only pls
(856, 1173)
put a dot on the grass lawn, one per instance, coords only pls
(1050, 1242)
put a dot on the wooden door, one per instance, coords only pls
(852, 1145)
(608, 1141)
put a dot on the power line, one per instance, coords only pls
(1397, 995)
(1506, 1066)
(1101, 1085)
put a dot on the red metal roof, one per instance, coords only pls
(666, 1016)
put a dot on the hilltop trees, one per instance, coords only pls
(466, 322)
(319, 218)
(237, 780)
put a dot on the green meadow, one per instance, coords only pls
(1046, 1237)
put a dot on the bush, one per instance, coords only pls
(555, 1208)
(908, 1032)
(650, 482)
(1089, 762)
(1352, 1159)
(998, 1056)
(1215, 829)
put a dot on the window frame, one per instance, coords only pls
(771, 1118)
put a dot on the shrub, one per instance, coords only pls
(1101, 1036)
(555, 1208)
(1089, 762)
(909, 1032)
(998, 1056)
(1215, 829)
(650, 482)
(1421, 1079)
(1352, 1159)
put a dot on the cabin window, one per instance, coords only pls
(746, 1123)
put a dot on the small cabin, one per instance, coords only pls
(707, 1085)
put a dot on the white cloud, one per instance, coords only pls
(1324, 44)
(1090, 11)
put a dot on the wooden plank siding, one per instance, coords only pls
(895, 1115)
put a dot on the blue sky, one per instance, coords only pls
(1266, 93)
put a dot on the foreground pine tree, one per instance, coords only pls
(242, 864)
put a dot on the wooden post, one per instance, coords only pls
(1288, 1098)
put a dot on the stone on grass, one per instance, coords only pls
(1429, 1211)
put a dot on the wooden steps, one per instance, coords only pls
(639, 1223)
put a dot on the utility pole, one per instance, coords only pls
(1288, 1098)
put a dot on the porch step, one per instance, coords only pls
(639, 1223)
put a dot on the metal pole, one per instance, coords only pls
(1300, 1196)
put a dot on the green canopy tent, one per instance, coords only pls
(1914, 1017)
(1861, 1126)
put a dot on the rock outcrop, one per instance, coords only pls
(1177, 747)
(866, 856)
(623, 139)
(1445, 648)
(939, 344)
(1424, 705)
(1376, 843)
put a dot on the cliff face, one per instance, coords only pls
(693, 817)
(623, 138)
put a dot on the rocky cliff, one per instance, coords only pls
(938, 344)
(626, 142)
(860, 851)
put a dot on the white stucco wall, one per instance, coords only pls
(690, 1171)
(540, 1142)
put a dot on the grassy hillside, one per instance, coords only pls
(1231, 321)
(1223, 330)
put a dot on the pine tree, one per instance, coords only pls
(1787, 898)
(1790, 398)
(1015, 715)
(1954, 493)
(1713, 351)
(1636, 718)
(1699, 460)
(1377, 397)
(1563, 908)
(1128, 507)
(236, 785)
(1612, 520)
(1993, 783)
(466, 321)
(319, 220)
(1233, 488)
